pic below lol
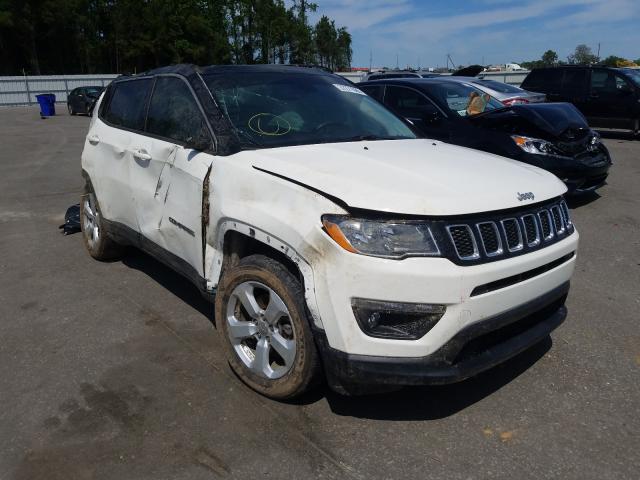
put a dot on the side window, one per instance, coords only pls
(407, 102)
(574, 79)
(375, 91)
(545, 80)
(606, 82)
(174, 113)
(128, 102)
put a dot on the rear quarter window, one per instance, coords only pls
(547, 80)
(127, 104)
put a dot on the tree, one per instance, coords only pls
(582, 56)
(104, 36)
(549, 58)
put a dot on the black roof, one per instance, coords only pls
(189, 69)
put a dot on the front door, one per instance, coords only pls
(418, 109)
(168, 183)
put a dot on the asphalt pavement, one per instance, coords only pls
(114, 370)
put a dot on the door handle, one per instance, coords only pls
(141, 155)
(93, 139)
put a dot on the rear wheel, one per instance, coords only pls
(96, 239)
(262, 321)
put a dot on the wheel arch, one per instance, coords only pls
(238, 240)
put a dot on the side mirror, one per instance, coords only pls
(625, 90)
(432, 118)
(200, 142)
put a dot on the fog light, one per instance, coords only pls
(406, 321)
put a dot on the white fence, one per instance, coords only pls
(22, 90)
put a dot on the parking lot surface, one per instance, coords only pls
(114, 370)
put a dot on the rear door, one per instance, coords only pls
(168, 187)
(575, 87)
(611, 101)
(109, 148)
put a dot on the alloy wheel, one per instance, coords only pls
(260, 330)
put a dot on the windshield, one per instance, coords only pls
(93, 90)
(634, 75)
(276, 109)
(499, 86)
(462, 99)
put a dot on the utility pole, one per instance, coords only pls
(370, 60)
(598, 51)
(397, 63)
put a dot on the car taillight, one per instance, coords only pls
(514, 101)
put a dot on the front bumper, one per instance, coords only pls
(583, 173)
(474, 349)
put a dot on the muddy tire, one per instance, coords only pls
(261, 318)
(96, 239)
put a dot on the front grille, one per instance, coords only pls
(463, 241)
(493, 236)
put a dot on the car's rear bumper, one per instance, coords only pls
(474, 349)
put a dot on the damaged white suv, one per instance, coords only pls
(334, 241)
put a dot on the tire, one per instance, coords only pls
(268, 343)
(96, 239)
(71, 110)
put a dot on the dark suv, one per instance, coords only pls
(608, 97)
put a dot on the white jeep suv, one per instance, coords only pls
(334, 241)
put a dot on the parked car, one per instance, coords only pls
(82, 99)
(553, 136)
(503, 92)
(399, 74)
(608, 97)
(334, 240)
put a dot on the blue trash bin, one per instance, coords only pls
(47, 103)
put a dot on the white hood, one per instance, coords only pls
(416, 177)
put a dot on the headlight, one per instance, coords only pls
(379, 238)
(594, 142)
(534, 145)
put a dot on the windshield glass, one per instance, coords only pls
(634, 75)
(499, 86)
(276, 109)
(462, 99)
(93, 90)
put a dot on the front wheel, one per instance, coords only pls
(71, 110)
(96, 239)
(263, 325)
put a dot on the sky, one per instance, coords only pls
(423, 32)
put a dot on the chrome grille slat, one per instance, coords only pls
(490, 238)
(558, 220)
(546, 227)
(464, 241)
(513, 234)
(531, 230)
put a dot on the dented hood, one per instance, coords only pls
(415, 177)
(554, 119)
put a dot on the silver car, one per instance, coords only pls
(503, 92)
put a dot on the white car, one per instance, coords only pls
(335, 242)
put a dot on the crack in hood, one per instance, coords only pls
(413, 177)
